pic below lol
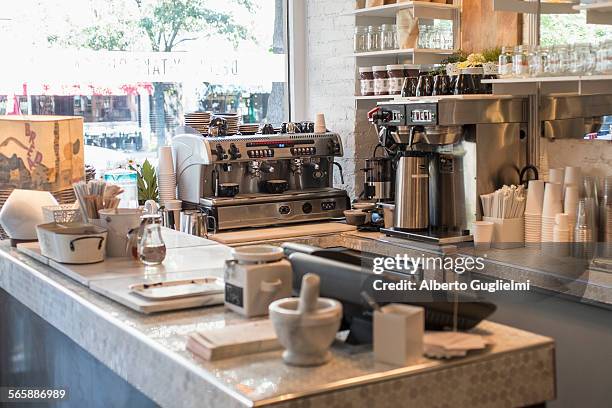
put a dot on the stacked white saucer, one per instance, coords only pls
(533, 213)
(166, 175)
(553, 205)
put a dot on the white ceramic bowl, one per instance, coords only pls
(257, 253)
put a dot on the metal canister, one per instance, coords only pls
(412, 191)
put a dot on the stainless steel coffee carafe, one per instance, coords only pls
(412, 191)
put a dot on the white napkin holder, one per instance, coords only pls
(507, 232)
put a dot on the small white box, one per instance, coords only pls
(398, 334)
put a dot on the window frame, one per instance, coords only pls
(297, 72)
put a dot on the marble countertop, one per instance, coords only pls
(149, 352)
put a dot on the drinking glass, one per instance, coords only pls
(590, 188)
(520, 61)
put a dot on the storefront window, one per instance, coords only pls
(574, 29)
(133, 68)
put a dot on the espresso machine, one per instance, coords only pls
(447, 151)
(260, 180)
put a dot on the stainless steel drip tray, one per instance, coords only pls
(257, 198)
(431, 236)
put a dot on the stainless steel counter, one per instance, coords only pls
(149, 353)
(564, 276)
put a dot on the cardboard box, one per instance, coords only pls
(41, 152)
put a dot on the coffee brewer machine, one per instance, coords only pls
(447, 151)
(260, 180)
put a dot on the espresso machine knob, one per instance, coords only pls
(234, 152)
(220, 152)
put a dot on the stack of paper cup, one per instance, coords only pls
(533, 213)
(561, 235)
(320, 125)
(553, 205)
(570, 205)
(556, 176)
(166, 176)
(561, 232)
(573, 177)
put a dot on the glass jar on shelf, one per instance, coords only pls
(424, 38)
(565, 59)
(505, 63)
(388, 34)
(448, 38)
(552, 63)
(580, 59)
(520, 61)
(604, 57)
(360, 39)
(588, 56)
(374, 38)
(537, 57)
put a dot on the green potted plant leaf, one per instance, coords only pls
(147, 182)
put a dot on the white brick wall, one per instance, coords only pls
(331, 84)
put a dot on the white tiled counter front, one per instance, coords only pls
(149, 353)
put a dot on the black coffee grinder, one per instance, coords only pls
(379, 178)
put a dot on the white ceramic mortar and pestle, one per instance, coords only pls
(306, 326)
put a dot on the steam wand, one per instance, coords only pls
(341, 171)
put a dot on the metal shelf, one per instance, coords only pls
(582, 85)
(419, 56)
(531, 7)
(420, 9)
(374, 97)
(597, 13)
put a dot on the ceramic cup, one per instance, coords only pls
(118, 222)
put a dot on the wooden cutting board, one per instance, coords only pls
(234, 340)
(288, 231)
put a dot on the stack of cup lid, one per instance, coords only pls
(166, 175)
(198, 121)
(533, 213)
